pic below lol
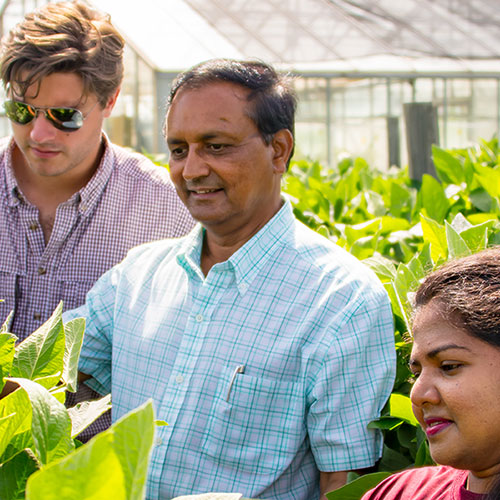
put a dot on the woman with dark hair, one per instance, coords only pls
(456, 393)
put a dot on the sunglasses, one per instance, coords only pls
(67, 119)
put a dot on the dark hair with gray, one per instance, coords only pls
(468, 293)
(66, 37)
(271, 94)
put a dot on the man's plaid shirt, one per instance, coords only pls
(128, 201)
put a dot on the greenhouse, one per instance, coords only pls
(356, 64)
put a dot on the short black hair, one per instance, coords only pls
(273, 99)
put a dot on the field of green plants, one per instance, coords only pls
(400, 228)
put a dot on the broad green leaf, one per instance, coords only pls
(460, 223)
(393, 460)
(375, 204)
(355, 232)
(358, 487)
(383, 267)
(48, 381)
(476, 219)
(14, 474)
(448, 168)
(425, 258)
(489, 179)
(399, 304)
(59, 392)
(386, 423)
(327, 191)
(83, 414)
(7, 344)
(405, 284)
(393, 224)
(99, 474)
(15, 417)
(476, 237)
(6, 325)
(112, 465)
(435, 234)
(401, 408)
(416, 268)
(41, 353)
(73, 333)
(400, 198)
(456, 245)
(481, 200)
(434, 199)
(407, 437)
(133, 441)
(51, 425)
(364, 248)
(21, 441)
(423, 456)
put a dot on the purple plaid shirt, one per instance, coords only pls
(128, 201)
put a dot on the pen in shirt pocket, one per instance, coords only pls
(237, 370)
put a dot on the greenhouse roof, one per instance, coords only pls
(317, 36)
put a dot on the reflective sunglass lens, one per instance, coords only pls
(67, 119)
(19, 112)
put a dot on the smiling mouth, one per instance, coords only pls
(434, 426)
(204, 191)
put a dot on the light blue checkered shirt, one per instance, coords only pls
(311, 326)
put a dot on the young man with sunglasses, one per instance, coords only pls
(72, 203)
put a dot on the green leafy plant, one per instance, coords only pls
(39, 458)
(402, 230)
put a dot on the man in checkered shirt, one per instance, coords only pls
(72, 204)
(267, 348)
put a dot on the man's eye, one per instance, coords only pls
(177, 152)
(217, 147)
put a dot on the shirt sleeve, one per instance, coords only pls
(98, 312)
(354, 380)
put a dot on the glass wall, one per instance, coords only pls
(135, 118)
(362, 117)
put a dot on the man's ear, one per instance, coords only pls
(282, 143)
(111, 103)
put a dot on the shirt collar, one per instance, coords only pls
(248, 260)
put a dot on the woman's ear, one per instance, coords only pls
(282, 144)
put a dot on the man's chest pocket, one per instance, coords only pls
(260, 427)
(73, 292)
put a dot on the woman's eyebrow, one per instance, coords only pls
(432, 354)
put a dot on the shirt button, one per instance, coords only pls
(158, 441)
(244, 287)
(33, 226)
(42, 270)
(199, 318)
(37, 316)
(179, 379)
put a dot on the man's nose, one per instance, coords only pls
(41, 129)
(194, 165)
